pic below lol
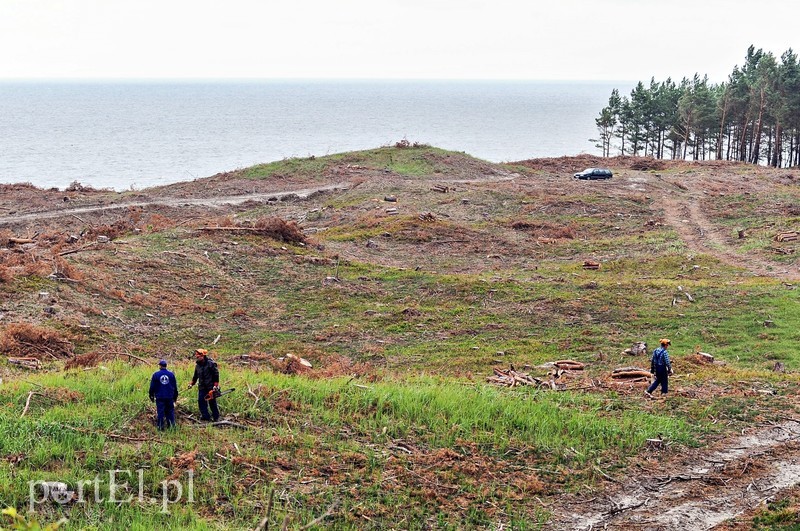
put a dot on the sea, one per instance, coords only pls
(133, 135)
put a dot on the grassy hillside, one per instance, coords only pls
(404, 288)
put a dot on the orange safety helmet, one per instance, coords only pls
(664, 342)
(201, 351)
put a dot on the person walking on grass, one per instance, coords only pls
(164, 392)
(206, 376)
(661, 368)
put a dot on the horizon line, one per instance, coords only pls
(294, 80)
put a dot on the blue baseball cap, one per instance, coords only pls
(163, 363)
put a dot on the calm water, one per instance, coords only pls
(135, 135)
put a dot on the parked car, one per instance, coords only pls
(594, 173)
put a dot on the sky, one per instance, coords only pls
(611, 40)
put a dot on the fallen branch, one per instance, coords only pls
(86, 247)
(229, 423)
(27, 404)
(104, 434)
(245, 463)
(263, 525)
(134, 357)
(250, 391)
(617, 510)
(319, 519)
(232, 229)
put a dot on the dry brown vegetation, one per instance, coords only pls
(25, 340)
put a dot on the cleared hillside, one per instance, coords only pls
(405, 275)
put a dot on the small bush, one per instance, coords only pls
(281, 230)
(545, 229)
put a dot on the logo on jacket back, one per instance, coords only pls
(164, 379)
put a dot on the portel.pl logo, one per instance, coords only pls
(120, 490)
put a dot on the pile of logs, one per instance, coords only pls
(28, 363)
(440, 188)
(591, 264)
(630, 374)
(786, 236)
(428, 216)
(511, 378)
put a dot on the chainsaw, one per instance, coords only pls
(216, 393)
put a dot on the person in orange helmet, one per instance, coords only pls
(206, 376)
(661, 367)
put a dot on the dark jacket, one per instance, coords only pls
(164, 385)
(660, 360)
(206, 374)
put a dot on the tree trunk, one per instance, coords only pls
(722, 127)
(776, 152)
(758, 130)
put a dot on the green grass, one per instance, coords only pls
(558, 431)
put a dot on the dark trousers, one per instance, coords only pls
(166, 412)
(204, 404)
(662, 377)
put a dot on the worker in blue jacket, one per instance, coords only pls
(164, 392)
(661, 367)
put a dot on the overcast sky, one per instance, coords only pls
(389, 39)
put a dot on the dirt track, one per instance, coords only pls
(211, 202)
(686, 215)
(699, 493)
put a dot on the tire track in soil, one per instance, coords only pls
(699, 494)
(685, 214)
(175, 202)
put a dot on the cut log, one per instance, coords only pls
(627, 369)
(786, 236)
(627, 373)
(20, 241)
(591, 264)
(569, 365)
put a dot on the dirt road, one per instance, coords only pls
(210, 202)
(684, 212)
(698, 493)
